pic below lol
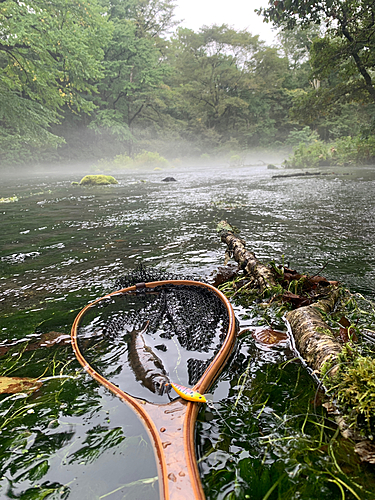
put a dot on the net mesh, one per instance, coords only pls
(191, 321)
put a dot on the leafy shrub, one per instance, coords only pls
(346, 150)
(308, 155)
(303, 136)
(103, 165)
(122, 161)
(148, 158)
(236, 160)
(366, 150)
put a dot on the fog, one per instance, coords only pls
(74, 170)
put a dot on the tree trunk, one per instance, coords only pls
(310, 331)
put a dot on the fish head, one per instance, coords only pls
(141, 330)
(161, 385)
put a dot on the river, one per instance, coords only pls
(62, 246)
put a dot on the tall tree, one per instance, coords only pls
(211, 79)
(227, 86)
(134, 66)
(347, 47)
(50, 57)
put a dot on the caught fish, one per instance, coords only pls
(190, 395)
(147, 367)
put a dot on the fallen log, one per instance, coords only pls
(318, 348)
(303, 174)
(262, 275)
(308, 328)
(311, 333)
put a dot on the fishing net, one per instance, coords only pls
(173, 329)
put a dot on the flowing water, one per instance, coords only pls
(62, 246)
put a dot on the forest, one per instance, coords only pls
(113, 81)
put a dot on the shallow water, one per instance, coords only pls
(62, 246)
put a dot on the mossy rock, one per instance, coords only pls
(98, 180)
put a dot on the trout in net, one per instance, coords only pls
(124, 330)
(147, 367)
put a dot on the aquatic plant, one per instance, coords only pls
(44, 429)
(356, 390)
(352, 384)
(271, 438)
(10, 199)
(353, 388)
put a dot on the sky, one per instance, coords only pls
(237, 13)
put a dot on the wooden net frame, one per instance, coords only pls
(170, 426)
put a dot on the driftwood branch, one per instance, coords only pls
(263, 275)
(317, 347)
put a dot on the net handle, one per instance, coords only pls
(139, 406)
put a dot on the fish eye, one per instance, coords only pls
(200, 397)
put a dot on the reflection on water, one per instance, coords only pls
(62, 246)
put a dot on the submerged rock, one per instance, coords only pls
(169, 179)
(98, 180)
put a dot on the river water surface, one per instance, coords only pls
(62, 246)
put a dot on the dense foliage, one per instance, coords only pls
(341, 54)
(50, 58)
(94, 79)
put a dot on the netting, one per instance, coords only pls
(139, 340)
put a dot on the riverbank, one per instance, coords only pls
(343, 152)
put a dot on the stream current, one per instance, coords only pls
(62, 246)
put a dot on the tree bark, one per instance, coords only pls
(263, 275)
(310, 333)
(309, 330)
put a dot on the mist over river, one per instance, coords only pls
(62, 246)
